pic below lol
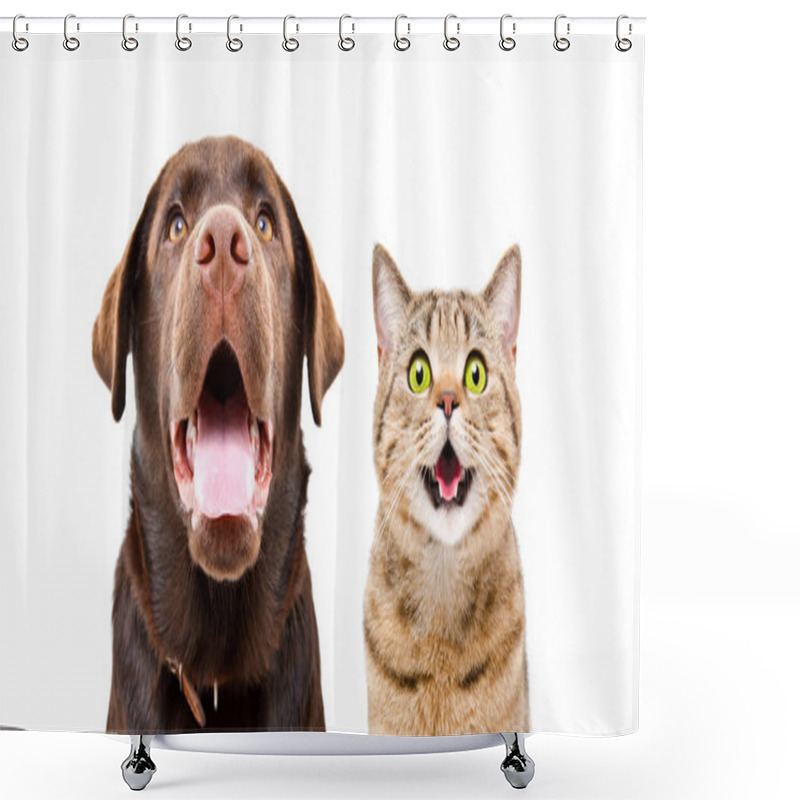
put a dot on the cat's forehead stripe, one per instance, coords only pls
(435, 315)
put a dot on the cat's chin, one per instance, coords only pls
(449, 522)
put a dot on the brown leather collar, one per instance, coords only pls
(189, 692)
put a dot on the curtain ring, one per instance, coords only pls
(346, 43)
(181, 42)
(401, 43)
(129, 43)
(623, 45)
(451, 42)
(506, 42)
(233, 44)
(561, 43)
(19, 43)
(71, 43)
(289, 44)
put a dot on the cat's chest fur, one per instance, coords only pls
(445, 593)
(438, 605)
(445, 637)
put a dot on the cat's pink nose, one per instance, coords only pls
(448, 402)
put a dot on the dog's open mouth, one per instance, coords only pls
(222, 454)
(448, 481)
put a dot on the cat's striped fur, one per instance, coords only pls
(444, 618)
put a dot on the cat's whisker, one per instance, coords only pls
(502, 433)
(392, 507)
(501, 496)
(495, 478)
(496, 468)
(504, 468)
(394, 426)
(398, 481)
(389, 515)
(502, 481)
(392, 502)
(419, 434)
(488, 467)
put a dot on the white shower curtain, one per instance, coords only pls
(447, 159)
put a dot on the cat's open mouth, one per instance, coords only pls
(448, 481)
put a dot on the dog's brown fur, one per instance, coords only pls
(237, 608)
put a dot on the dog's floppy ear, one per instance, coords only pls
(111, 334)
(323, 339)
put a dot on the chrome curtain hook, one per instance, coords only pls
(290, 44)
(181, 42)
(623, 45)
(233, 44)
(507, 42)
(561, 43)
(19, 43)
(346, 43)
(451, 42)
(71, 43)
(401, 43)
(129, 43)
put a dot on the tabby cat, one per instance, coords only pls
(444, 619)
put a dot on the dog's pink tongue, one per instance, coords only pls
(448, 473)
(224, 465)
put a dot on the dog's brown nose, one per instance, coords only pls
(223, 250)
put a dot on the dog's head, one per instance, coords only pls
(219, 299)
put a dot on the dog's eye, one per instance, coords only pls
(264, 226)
(177, 228)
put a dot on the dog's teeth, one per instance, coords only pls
(191, 439)
(255, 439)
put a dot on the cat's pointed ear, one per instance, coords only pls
(390, 297)
(502, 296)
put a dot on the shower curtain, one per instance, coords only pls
(505, 181)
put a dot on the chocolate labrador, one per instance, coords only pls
(218, 298)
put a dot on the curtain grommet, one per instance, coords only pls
(71, 43)
(346, 43)
(183, 43)
(561, 43)
(233, 44)
(401, 43)
(129, 43)
(19, 43)
(623, 44)
(507, 43)
(451, 43)
(290, 44)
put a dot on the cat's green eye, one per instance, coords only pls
(419, 373)
(475, 374)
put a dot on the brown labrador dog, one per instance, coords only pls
(218, 299)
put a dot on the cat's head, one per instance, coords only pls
(447, 416)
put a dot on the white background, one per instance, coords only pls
(721, 475)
